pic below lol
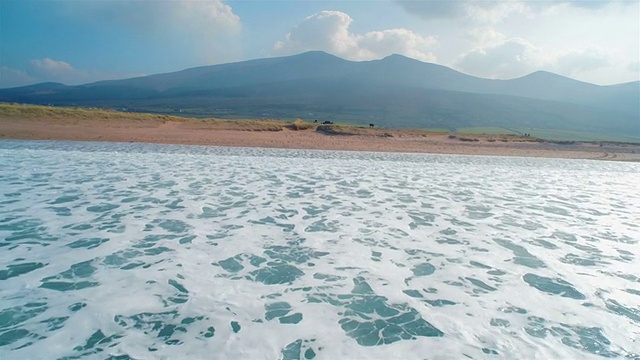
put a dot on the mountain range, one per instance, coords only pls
(396, 92)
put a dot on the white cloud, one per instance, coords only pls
(207, 15)
(202, 31)
(471, 11)
(13, 77)
(329, 31)
(45, 70)
(377, 44)
(578, 61)
(492, 12)
(515, 57)
(590, 4)
(59, 71)
(481, 11)
(204, 17)
(510, 58)
(434, 9)
(326, 30)
(485, 36)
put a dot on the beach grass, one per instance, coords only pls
(79, 115)
(73, 115)
(554, 135)
(486, 130)
(76, 115)
(573, 135)
(299, 124)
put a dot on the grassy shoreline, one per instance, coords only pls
(75, 115)
(32, 122)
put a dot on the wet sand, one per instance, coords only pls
(195, 132)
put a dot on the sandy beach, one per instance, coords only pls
(158, 129)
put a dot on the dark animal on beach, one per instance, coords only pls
(327, 123)
(371, 125)
(315, 121)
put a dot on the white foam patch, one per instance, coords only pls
(177, 251)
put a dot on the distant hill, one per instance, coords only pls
(394, 92)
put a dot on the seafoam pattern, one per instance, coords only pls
(139, 251)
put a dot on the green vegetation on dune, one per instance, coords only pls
(572, 135)
(340, 130)
(77, 114)
(552, 134)
(36, 111)
(488, 130)
(436, 130)
(351, 126)
(299, 124)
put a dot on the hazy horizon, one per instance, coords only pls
(321, 51)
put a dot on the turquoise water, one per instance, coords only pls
(154, 251)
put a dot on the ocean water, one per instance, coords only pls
(182, 252)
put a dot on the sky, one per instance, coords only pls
(82, 41)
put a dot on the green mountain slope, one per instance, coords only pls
(394, 91)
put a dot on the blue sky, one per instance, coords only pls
(76, 42)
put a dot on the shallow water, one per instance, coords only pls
(159, 251)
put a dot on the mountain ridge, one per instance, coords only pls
(306, 83)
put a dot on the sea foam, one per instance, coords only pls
(159, 251)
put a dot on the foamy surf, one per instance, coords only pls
(151, 251)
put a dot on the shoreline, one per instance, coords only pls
(227, 133)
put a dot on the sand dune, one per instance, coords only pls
(225, 133)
